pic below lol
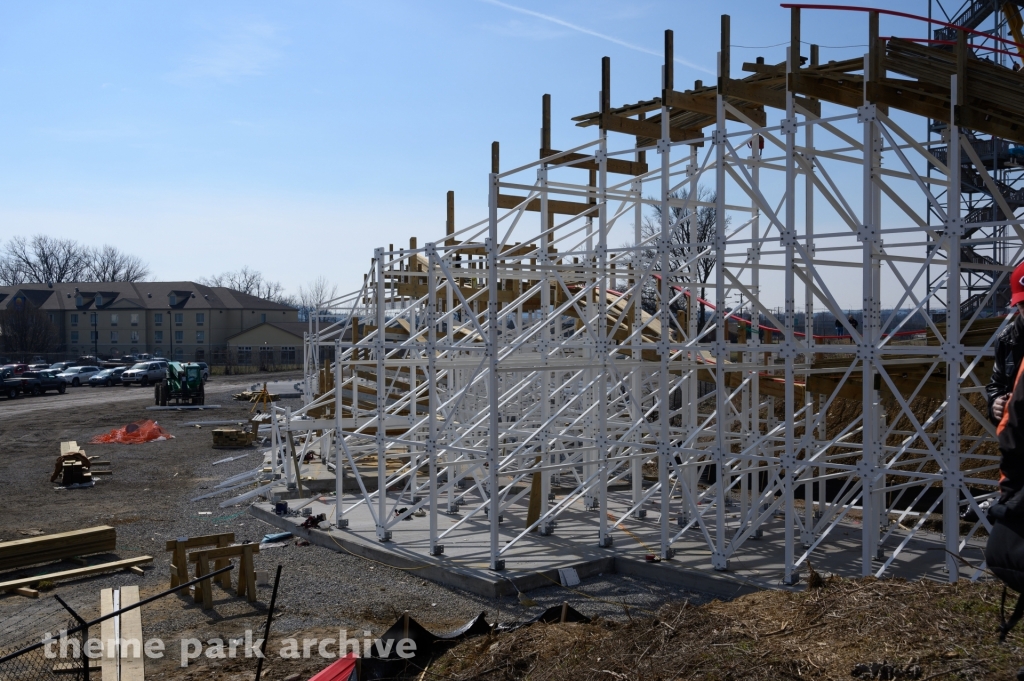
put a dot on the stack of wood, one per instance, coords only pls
(256, 396)
(63, 546)
(73, 467)
(231, 438)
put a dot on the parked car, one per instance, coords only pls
(76, 376)
(10, 384)
(18, 369)
(107, 377)
(204, 369)
(59, 366)
(144, 373)
(38, 366)
(38, 382)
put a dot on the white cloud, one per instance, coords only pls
(247, 50)
(587, 31)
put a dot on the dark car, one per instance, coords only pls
(107, 377)
(10, 384)
(38, 366)
(16, 369)
(38, 382)
(59, 366)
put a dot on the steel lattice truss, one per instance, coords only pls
(526, 352)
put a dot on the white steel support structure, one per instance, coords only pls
(516, 347)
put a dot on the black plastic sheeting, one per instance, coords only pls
(430, 645)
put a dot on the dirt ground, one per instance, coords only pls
(148, 500)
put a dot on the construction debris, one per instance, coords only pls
(73, 468)
(231, 438)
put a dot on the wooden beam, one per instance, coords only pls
(615, 165)
(77, 572)
(130, 660)
(647, 129)
(560, 207)
(844, 91)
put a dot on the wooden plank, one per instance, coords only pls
(131, 661)
(631, 126)
(108, 656)
(27, 592)
(554, 206)
(845, 90)
(582, 161)
(226, 552)
(60, 546)
(204, 540)
(77, 572)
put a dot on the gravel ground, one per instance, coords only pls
(148, 500)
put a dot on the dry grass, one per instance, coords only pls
(888, 629)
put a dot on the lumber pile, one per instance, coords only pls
(61, 546)
(256, 396)
(231, 438)
(73, 467)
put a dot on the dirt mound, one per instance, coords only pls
(867, 629)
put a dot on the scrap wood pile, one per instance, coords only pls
(262, 395)
(74, 467)
(846, 629)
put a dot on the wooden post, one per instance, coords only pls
(726, 55)
(450, 220)
(495, 158)
(794, 35)
(669, 69)
(545, 126)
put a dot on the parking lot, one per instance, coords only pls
(84, 395)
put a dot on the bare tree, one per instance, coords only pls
(251, 282)
(692, 232)
(49, 260)
(316, 294)
(110, 264)
(43, 259)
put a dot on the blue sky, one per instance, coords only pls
(294, 137)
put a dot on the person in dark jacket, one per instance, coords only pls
(1009, 351)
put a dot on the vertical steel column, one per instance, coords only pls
(952, 348)
(339, 466)
(494, 415)
(604, 539)
(383, 534)
(433, 404)
(788, 349)
(665, 448)
(718, 553)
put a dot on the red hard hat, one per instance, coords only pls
(1017, 285)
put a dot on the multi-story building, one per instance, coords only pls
(178, 319)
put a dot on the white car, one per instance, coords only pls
(76, 376)
(144, 373)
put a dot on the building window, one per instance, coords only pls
(179, 336)
(263, 317)
(179, 318)
(93, 336)
(200, 355)
(53, 319)
(74, 349)
(158, 351)
(245, 354)
(158, 336)
(135, 336)
(99, 300)
(172, 299)
(134, 319)
(158, 319)
(178, 352)
(288, 354)
(113, 320)
(74, 319)
(79, 301)
(113, 336)
(200, 336)
(200, 318)
(74, 336)
(92, 318)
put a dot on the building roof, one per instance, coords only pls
(294, 328)
(150, 295)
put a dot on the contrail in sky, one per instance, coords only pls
(581, 29)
